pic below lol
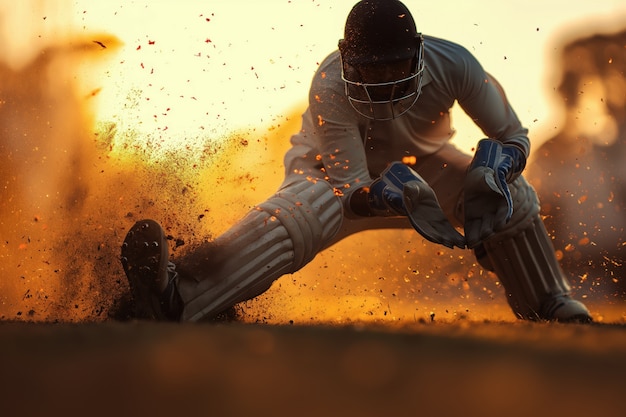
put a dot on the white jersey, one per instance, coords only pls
(351, 149)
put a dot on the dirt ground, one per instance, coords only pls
(461, 367)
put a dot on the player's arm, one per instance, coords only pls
(498, 160)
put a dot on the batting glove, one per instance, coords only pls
(401, 191)
(488, 204)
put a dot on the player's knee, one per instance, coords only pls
(311, 213)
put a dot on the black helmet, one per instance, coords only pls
(378, 31)
(381, 32)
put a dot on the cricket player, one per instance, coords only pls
(374, 151)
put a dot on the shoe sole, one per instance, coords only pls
(144, 258)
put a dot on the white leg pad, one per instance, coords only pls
(523, 257)
(278, 237)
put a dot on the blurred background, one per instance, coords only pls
(181, 111)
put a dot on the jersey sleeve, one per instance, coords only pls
(336, 131)
(481, 96)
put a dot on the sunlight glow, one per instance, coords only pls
(190, 71)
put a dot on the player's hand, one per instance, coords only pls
(426, 216)
(488, 204)
(401, 191)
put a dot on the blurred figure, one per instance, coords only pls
(47, 164)
(580, 174)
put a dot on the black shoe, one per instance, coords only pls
(565, 309)
(152, 278)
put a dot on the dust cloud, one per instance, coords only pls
(71, 188)
(579, 173)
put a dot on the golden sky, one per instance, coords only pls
(205, 68)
